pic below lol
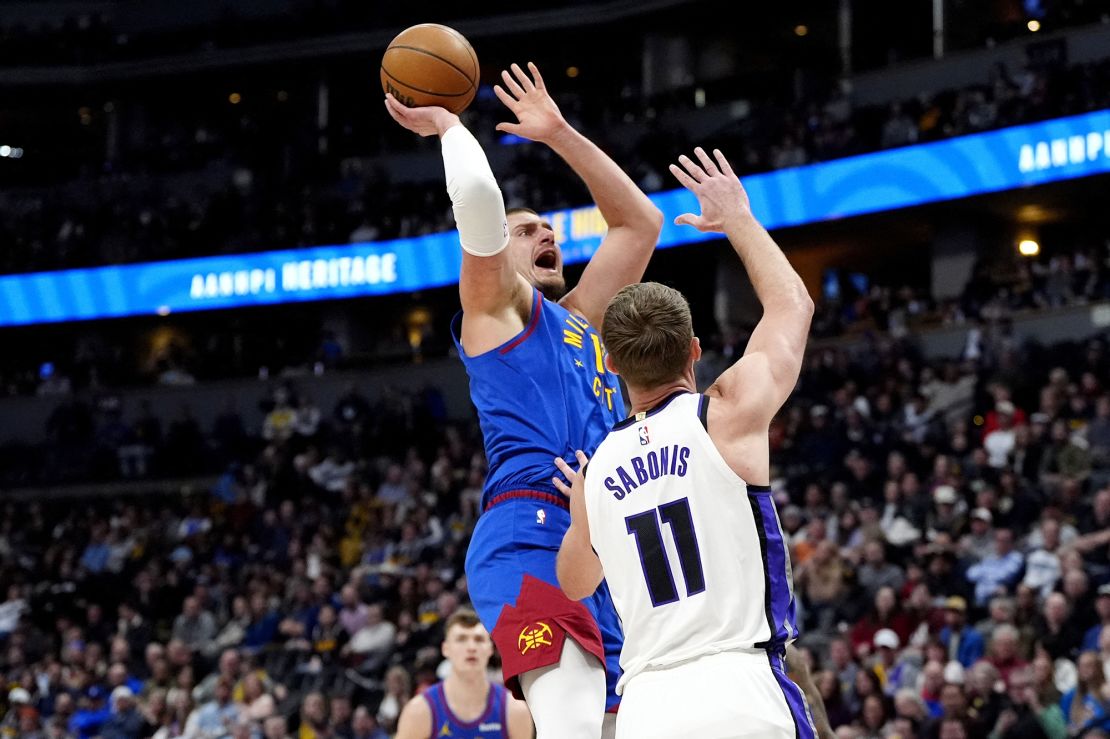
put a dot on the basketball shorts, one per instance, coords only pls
(719, 696)
(510, 573)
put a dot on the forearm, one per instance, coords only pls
(620, 200)
(475, 197)
(577, 566)
(775, 281)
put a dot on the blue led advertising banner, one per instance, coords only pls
(1021, 156)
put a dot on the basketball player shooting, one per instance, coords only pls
(677, 504)
(541, 389)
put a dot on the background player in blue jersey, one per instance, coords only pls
(466, 705)
(540, 386)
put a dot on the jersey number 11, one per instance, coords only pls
(653, 556)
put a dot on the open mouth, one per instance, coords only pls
(547, 259)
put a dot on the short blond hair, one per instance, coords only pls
(647, 331)
(464, 617)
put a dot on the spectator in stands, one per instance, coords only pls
(1003, 652)
(1093, 635)
(978, 543)
(1024, 715)
(995, 573)
(962, 642)
(398, 691)
(217, 715)
(821, 583)
(194, 626)
(1086, 708)
(887, 614)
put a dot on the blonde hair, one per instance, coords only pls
(647, 331)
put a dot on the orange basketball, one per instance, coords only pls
(430, 64)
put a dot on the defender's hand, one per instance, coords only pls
(430, 120)
(576, 491)
(720, 194)
(537, 114)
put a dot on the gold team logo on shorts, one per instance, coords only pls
(534, 636)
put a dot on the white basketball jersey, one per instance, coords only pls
(694, 557)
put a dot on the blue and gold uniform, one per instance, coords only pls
(492, 724)
(542, 394)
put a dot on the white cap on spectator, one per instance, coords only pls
(121, 692)
(887, 638)
(1005, 407)
(945, 494)
(982, 514)
(19, 695)
(954, 673)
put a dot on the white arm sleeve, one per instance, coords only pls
(475, 197)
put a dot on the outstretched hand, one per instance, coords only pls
(717, 188)
(537, 114)
(430, 120)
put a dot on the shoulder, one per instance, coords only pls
(416, 716)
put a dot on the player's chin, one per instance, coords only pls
(552, 285)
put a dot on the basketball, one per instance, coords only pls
(430, 64)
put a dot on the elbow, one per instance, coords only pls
(570, 586)
(574, 590)
(474, 190)
(650, 223)
(803, 303)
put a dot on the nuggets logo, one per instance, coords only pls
(445, 731)
(644, 438)
(534, 636)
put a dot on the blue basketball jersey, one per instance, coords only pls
(544, 393)
(492, 724)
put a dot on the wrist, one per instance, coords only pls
(741, 221)
(446, 122)
(561, 135)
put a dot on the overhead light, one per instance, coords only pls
(801, 29)
(1029, 248)
(572, 72)
(234, 98)
(1033, 25)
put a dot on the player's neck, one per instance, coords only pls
(645, 400)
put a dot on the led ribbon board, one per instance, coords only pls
(1022, 156)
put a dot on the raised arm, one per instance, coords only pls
(757, 385)
(495, 297)
(633, 220)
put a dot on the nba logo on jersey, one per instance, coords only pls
(644, 438)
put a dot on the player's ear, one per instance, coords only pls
(695, 349)
(609, 364)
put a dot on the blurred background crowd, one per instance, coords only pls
(252, 523)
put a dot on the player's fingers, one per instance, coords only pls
(684, 179)
(563, 467)
(504, 97)
(707, 164)
(723, 163)
(686, 219)
(537, 78)
(561, 486)
(506, 127)
(510, 83)
(525, 80)
(694, 170)
(583, 460)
